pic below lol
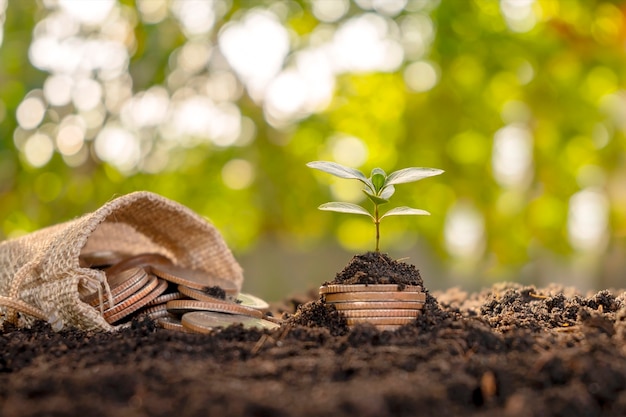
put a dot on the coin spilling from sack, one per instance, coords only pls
(386, 306)
(176, 298)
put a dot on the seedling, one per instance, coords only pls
(379, 188)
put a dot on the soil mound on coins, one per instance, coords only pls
(510, 350)
(377, 268)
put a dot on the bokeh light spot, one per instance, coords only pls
(587, 220)
(349, 151)
(30, 113)
(464, 231)
(88, 12)
(238, 174)
(255, 47)
(38, 149)
(421, 76)
(57, 90)
(512, 158)
(71, 136)
(118, 147)
(330, 10)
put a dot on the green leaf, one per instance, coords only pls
(411, 174)
(345, 208)
(374, 198)
(378, 178)
(405, 211)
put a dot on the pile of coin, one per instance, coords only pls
(386, 306)
(176, 298)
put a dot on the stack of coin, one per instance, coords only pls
(175, 297)
(131, 289)
(385, 306)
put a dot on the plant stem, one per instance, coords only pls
(377, 223)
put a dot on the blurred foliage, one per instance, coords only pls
(558, 71)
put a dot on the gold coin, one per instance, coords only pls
(378, 305)
(381, 313)
(172, 323)
(252, 301)
(164, 298)
(335, 288)
(139, 261)
(145, 290)
(193, 278)
(205, 322)
(162, 286)
(200, 295)
(124, 278)
(123, 291)
(376, 296)
(380, 320)
(185, 306)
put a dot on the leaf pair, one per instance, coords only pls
(356, 209)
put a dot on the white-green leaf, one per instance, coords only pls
(411, 174)
(345, 208)
(338, 170)
(388, 191)
(374, 198)
(405, 211)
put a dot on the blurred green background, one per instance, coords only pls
(219, 104)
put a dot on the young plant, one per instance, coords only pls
(379, 188)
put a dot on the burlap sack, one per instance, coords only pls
(41, 271)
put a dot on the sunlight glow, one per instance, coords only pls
(519, 14)
(146, 109)
(512, 158)
(307, 88)
(255, 47)
(118, 147)
(587, 220)
(464, 231)
(330, 10)
(418, 32)
(90, 12)
(361, 44)
(196, 16)
(199, 117)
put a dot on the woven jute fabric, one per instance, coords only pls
(42, 268)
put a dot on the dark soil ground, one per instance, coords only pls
(509, 350)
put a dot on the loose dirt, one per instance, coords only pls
(510, 350)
